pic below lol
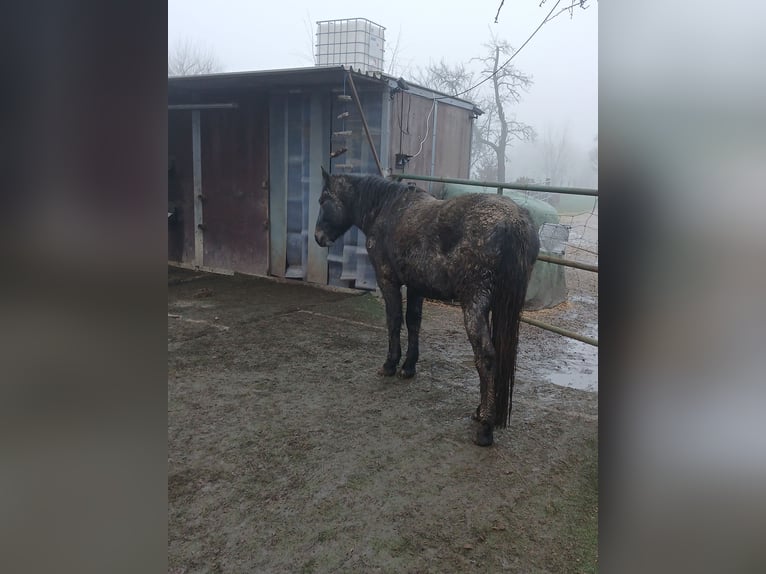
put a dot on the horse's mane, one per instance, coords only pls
(372, 192)
(373, 184)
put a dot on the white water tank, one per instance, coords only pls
(355, 42)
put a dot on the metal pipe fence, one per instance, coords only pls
(500, 186)
(568, 263)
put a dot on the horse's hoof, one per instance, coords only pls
(387, 371)
(404, 373)
(484, 435)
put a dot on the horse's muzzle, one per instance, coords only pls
(322, 239)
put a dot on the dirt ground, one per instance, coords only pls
(287, 453)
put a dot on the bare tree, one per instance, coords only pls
(188, 58)
(459, 80)
(499, 126)
(446, 78)
(593, 154)
(393, 64)
(308, 52)
(557, 155)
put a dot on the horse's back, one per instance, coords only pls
(480, 223)
(486, 208)
(448, 247)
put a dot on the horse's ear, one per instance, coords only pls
(325, 177)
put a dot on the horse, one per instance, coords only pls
(478, 249)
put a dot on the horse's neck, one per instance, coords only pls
(368, 205)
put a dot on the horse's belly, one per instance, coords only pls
(432, 292)
(435, 285)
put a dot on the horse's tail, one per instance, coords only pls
(510, 290)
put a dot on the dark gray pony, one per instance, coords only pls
(478, 249)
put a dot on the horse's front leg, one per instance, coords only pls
(413, 318)
(392, 295)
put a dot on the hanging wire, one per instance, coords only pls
(401, 129)
(508, 61)
(427, 128)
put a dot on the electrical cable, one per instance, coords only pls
(433, 106)
(508, 61)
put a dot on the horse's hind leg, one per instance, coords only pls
(476, 317)
(413, 317)
(392, 295)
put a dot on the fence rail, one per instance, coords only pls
(500, 186)
(560, 331)
(589, 191)
(568, 263)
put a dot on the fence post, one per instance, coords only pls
(499, 191)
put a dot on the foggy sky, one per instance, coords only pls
(562, 57)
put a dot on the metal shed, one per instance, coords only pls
(244, 157)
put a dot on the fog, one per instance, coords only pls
(562, 57)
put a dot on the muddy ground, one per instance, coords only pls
(287, 453)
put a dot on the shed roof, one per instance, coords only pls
(180, 87)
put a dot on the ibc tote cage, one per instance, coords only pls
(355, 42)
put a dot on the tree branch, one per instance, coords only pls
(187, 58)
(498, 10)
(490, 144)
(581, 3)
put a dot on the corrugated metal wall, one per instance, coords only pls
(298, 173)
(301, 137)
(348, 261)
(298, 141)
(408, 128)
(262, 178)
(453, 142)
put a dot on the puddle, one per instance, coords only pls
(581, 369)
(582, 298)
(186, 303)
(574, 380)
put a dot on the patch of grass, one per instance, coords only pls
(582, 508)
(310, 566)
(573, 204)
(358, 481)
(555, 524)
(395, 545)
(366, 308)
(326, 535)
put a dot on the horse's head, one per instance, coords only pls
(335, 217)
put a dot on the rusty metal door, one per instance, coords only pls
(235, 186)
